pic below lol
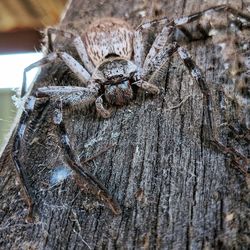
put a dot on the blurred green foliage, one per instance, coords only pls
(7, 112)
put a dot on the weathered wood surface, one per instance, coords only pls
(174, 191)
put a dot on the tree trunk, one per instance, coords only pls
(175, 191)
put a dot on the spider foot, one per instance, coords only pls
(30, 218)
(90, 184)
(238, 160)
(239, 132)
(83, 177)
(101, 110)
(111, 202)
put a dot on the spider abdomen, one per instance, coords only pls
(107, 36)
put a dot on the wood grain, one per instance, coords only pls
(174, 190)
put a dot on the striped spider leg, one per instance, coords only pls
(83, 72)
(226, 26)
(211, 18)
(158, 54)
(59, 98)
(77, 43)
(75, 66)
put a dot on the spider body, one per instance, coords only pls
(113, 62)
(109, 44)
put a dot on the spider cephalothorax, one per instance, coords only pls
(112, 64)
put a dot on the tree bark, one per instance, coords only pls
(174, 190)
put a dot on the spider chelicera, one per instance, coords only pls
(112, 64)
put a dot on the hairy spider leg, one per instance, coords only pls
(75, 66)
(223, 7)
(59, 96)
(76, 96)
(243, 19)
(157, 53)
(179, 23)
(71, 95)
(139, 50)
(138, 43)
(162, 49)
(48, 59)
(238, 160)
(85, 178)
(18, 137)
(67, 93)
(156, 58)
(68, 96)
(165, 36)
(145, 62)
(77, 43)
(74, 162)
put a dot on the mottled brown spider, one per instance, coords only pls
(112, 64)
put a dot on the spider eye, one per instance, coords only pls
(98, 81)
(131, 75)
(134, 76)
